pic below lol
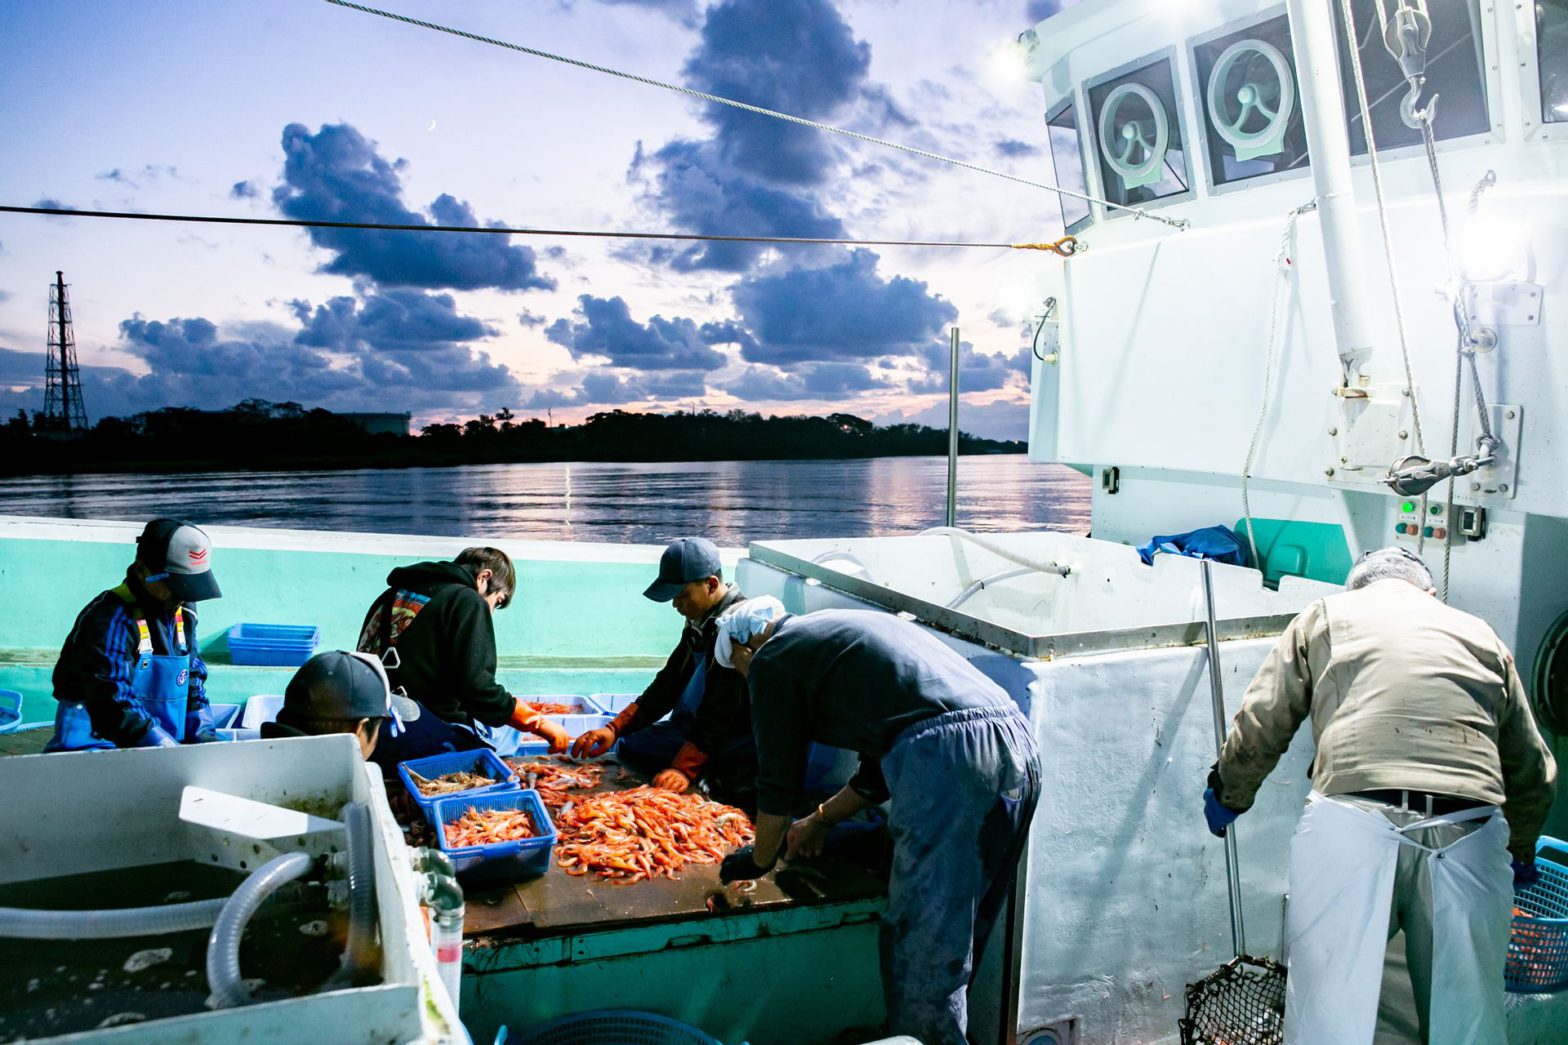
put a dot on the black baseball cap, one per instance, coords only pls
(179, 555)
(343, 686)
(686, 560)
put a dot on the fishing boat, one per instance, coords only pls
(1309, 297)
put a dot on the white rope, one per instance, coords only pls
(1282, 268)
(1177, 223)
(1388, 243)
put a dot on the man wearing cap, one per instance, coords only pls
(129, 674)
(338, 692)
(1429, 772)
(708, 732)
(434, 628)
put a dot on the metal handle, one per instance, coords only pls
(1238, 933)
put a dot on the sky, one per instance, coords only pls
(303, 109)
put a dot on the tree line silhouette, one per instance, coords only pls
(260, 435)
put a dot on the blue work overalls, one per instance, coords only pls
(160, 682)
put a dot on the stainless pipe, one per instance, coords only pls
(952, 435)
(1238, 933)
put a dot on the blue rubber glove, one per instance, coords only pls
(739, 866)
(157, 736)
(1525, 874)
(199, 726)
(1218, 814)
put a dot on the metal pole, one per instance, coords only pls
(1328, 142)
(952, 435)
(1238, 934)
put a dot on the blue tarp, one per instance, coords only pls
(1219, 543)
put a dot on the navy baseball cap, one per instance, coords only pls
(686, 560)
(179, 555)
(343, 686)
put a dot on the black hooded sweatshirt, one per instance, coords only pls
(433, 615)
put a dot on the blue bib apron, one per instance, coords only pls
(161, 683)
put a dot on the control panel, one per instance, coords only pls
(1415, 523)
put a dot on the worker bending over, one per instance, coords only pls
(1429, 772)
(338, 692)
(707, 735)
(943, 742)
(435, 618)
(129, 674)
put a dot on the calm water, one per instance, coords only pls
(731, 502)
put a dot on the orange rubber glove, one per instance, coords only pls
(526, 719)
(596, 742)
(683, 771)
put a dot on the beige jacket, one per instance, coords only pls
(1404, 692)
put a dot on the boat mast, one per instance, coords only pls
(1328, 145)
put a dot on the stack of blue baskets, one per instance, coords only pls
(272, 645)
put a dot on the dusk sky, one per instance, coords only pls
(298, 108)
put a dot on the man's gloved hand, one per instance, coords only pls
(1526, 873)
(157, 736)
(199, 726)
(740, 867)
(1219, 815)
(526, 720)
(594, 743)
(672, 780)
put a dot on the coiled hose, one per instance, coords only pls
(22, 923)
(359, 956)
(223, 946)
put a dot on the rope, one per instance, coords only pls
(1177, 223)
(1282, 266)
(1388, 242)
(1065, 247)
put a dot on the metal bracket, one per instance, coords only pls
(1500, 479)
(1369, 431)
(1503, 304)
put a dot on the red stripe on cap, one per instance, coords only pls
(198, 555)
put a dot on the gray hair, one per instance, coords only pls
(1389, 563)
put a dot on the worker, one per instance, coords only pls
(707, 736)
(1429, 771)
(129, 674)
(433, 628)
(939, 739)
(338, 692)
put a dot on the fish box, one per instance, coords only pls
(272, 645)
(481, 760)
(584, 715)
(497, 861)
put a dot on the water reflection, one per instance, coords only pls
(731, 501)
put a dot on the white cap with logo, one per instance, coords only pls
(179, 555)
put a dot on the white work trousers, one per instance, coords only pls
(1345, 867)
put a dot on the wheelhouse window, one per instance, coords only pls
(1252, 112)
(1551, 41)
(1454, 69)
(1138, 140)
(1061, 128)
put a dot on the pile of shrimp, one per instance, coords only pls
(645, 832)
(489, 827)
(450, 783)
(555, 708)
(555, 778)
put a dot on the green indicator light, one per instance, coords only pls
(1409, 506)
(1436, 509)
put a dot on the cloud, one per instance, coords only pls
(607, 388)
(845, 311)
(532, 319)
(977, 371)
(244, 190)
(134, 179)
(1003, 419)
(683, 11)
(50, 203)
(337, 175)
(702, 192)
(1039, 10)
(1012, 148)
(795, 56)
(817, 381)
(388, 321)
(606, 328)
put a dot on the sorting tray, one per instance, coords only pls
(272, 645)
(479, 760)
(498, 861)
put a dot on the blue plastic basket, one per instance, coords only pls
(272, 645)
(587, 716)
(479, 760)
(500, 861)
(10, 710)
(1538, 942)
(615, 1027)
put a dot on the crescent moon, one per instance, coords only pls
(432, 126)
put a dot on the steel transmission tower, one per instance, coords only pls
(63, 410)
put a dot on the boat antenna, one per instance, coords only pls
(1176, 223)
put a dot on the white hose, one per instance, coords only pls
(24, 924)
(997, 550)
(223, 946)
